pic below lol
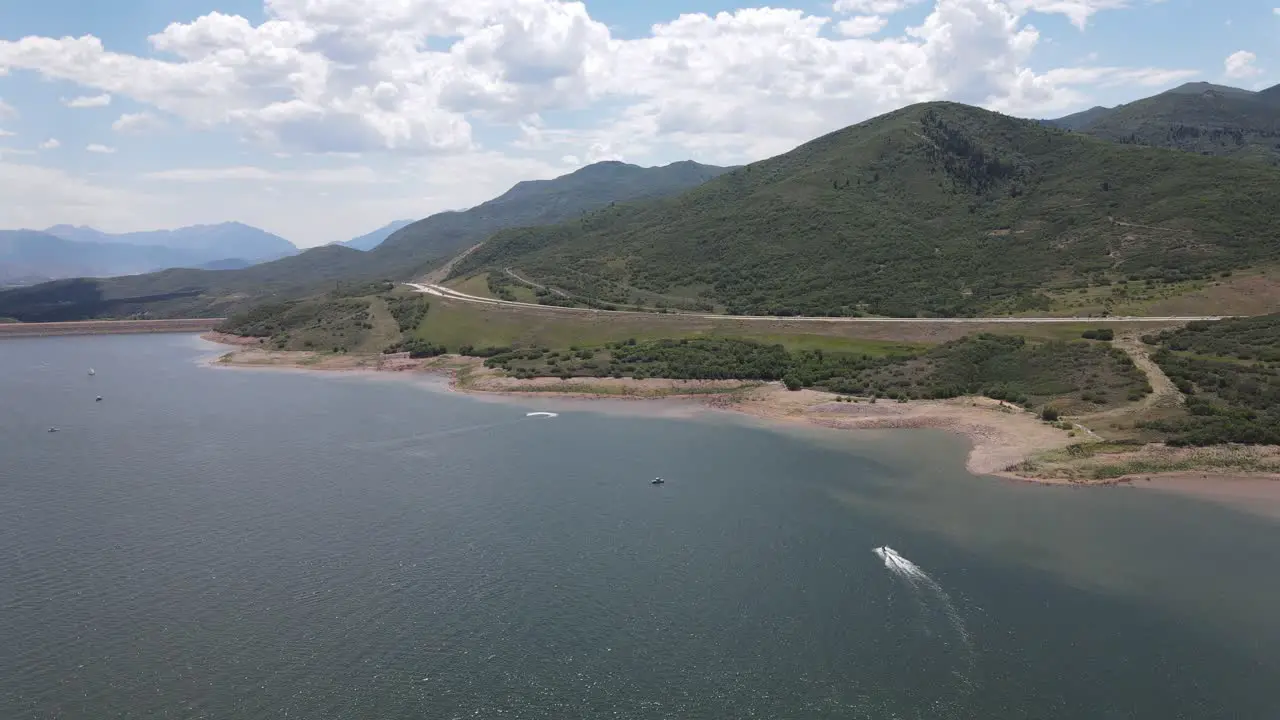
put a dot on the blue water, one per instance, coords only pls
(219, 543)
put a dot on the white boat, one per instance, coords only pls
(657, 481)
(53, 429)
(91, 372)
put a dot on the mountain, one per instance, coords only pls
(205, 243)
(372, 240)
(1080, 120)
(406, 253)
(1195, 117)
(424, 243)
(936, 209)
(31, 253)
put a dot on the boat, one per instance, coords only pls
(53, 429)
(98, 399)
(91, 372)
(657, 481)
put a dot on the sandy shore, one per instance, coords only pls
(1006, 441)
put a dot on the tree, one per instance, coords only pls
(792, 382)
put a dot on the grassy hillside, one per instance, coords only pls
(405, 254)
(1197, 117)
(1229, 372)
(357, 317)
(1004, 367)
(936, 209)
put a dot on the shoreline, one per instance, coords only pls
(108, 327)
(1001, 437)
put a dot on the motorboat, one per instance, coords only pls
(657, 481)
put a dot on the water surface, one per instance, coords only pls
(264, 544)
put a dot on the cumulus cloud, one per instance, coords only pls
(50, 144)
(137, 123)
(861, 25)
(417, 76)
(1240, 64)
(88, 101)
(100, 149)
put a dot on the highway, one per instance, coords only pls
(444, 292)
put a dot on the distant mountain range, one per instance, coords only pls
(1196, 117)
(406, 253)
(372, 240)
(77, 251)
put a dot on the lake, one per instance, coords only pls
(253, 544)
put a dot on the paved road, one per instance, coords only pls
(441, 291)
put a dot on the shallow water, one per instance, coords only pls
(260, 544)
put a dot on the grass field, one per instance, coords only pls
(454, 323)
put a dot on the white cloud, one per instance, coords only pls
(241, 173)
(416, 75)
(1077, 11)
(100, 149)
(7, 133)
(88, 101)
(50, 144)
(1240, 64)
(861, 25)
(7, 110)
(872, 7)
(387, 82)
(137, 123)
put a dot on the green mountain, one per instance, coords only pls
(426, 243)
(936, 209)
(1195, 117)
(405, 254)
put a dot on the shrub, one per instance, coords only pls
(1049, 414)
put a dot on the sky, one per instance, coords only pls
(320, 120)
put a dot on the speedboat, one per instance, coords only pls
(657, 481)
(91, 372)
(53, 429)
(98, 399)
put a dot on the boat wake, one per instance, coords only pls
(937, 617)
(541, 414)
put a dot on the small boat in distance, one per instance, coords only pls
(98, 399)
(91, 372)
(657, 481)
(53, 429)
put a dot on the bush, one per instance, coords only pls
(792, 382)
(1104, 334)
(1049, 414)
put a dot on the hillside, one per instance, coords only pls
(408, 252)
(203, 243)
(422, 245)
(371, 240)
(936, 209)
(1196, 117)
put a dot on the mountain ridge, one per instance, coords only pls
(413, 249)
(936, 209)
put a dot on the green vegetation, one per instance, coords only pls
(328, 323)
(408, 310)
(1104, 334)
(1229, 371)
(406, 254)
(937, 209)
(1197, 117)
(1003, 367)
